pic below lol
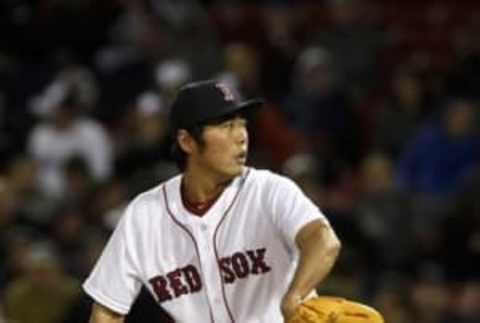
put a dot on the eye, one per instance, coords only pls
(243, 122)
(227, 124)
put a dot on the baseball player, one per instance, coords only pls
(221, 242)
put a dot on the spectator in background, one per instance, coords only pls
(242, 69)
(169, 76)
(7, 223)
(279, 52)
(320, 111)
(153, 30)
(319, 108)
(461, 230)
(43, 293)
(16, 242)
(435, 163)
(64, 135)
(141, 140)
(353, 44)
(79, 182)
(151, 107)
(276, 138)
(32, 206)
(463, 75)
(68, 230)
(73, 80)
(429, 295)
(129, 39)
(384, 215)
(442, 153)
(2, 316)
(402, 111)
(187, 33)
(465, 307)
(108, 203)
(392, 300)
(273, 136)
(304, 170)
(145, 156)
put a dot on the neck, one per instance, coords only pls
(201, 188)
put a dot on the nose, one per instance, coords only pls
(241, 134)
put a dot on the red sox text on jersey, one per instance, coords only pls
(186, 280)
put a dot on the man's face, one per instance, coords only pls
(459, 118)
(224, 153)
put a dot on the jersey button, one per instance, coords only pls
(204, 227)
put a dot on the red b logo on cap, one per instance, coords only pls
(227, 93)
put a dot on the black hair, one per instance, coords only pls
(77, 165)
(196, 131)
(178, 155)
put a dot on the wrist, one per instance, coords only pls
(291, 300)
(293, 297)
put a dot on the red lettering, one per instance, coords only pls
(174, 279)
(257, 259)
(187, 280)
(193, 278)
(240, 265)
(227, 273)
(159, 285)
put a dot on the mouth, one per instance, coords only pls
(241, 158)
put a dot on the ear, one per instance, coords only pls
(185, 141)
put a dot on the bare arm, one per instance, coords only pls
(101, 314)
(319, 248)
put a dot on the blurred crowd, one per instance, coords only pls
(372, 108)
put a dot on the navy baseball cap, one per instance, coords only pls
(199, 102)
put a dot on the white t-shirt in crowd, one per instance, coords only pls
(52, 147)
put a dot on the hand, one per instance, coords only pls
(289, 304)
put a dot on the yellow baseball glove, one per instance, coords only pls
(325, 309)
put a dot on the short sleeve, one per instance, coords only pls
(290, 208)
(115, 281)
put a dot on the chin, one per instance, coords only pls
(234, 171)
(240, 170)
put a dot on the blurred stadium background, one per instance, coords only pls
(372, 107)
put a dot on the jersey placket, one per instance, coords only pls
(203, 231)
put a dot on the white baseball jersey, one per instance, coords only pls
(233, 264)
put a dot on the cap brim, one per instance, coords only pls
(247, 108)
(251, 105)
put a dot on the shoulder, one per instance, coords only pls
(268, 179)
(42, 138)
(155, 194)
(148, 203)
(148, 197)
